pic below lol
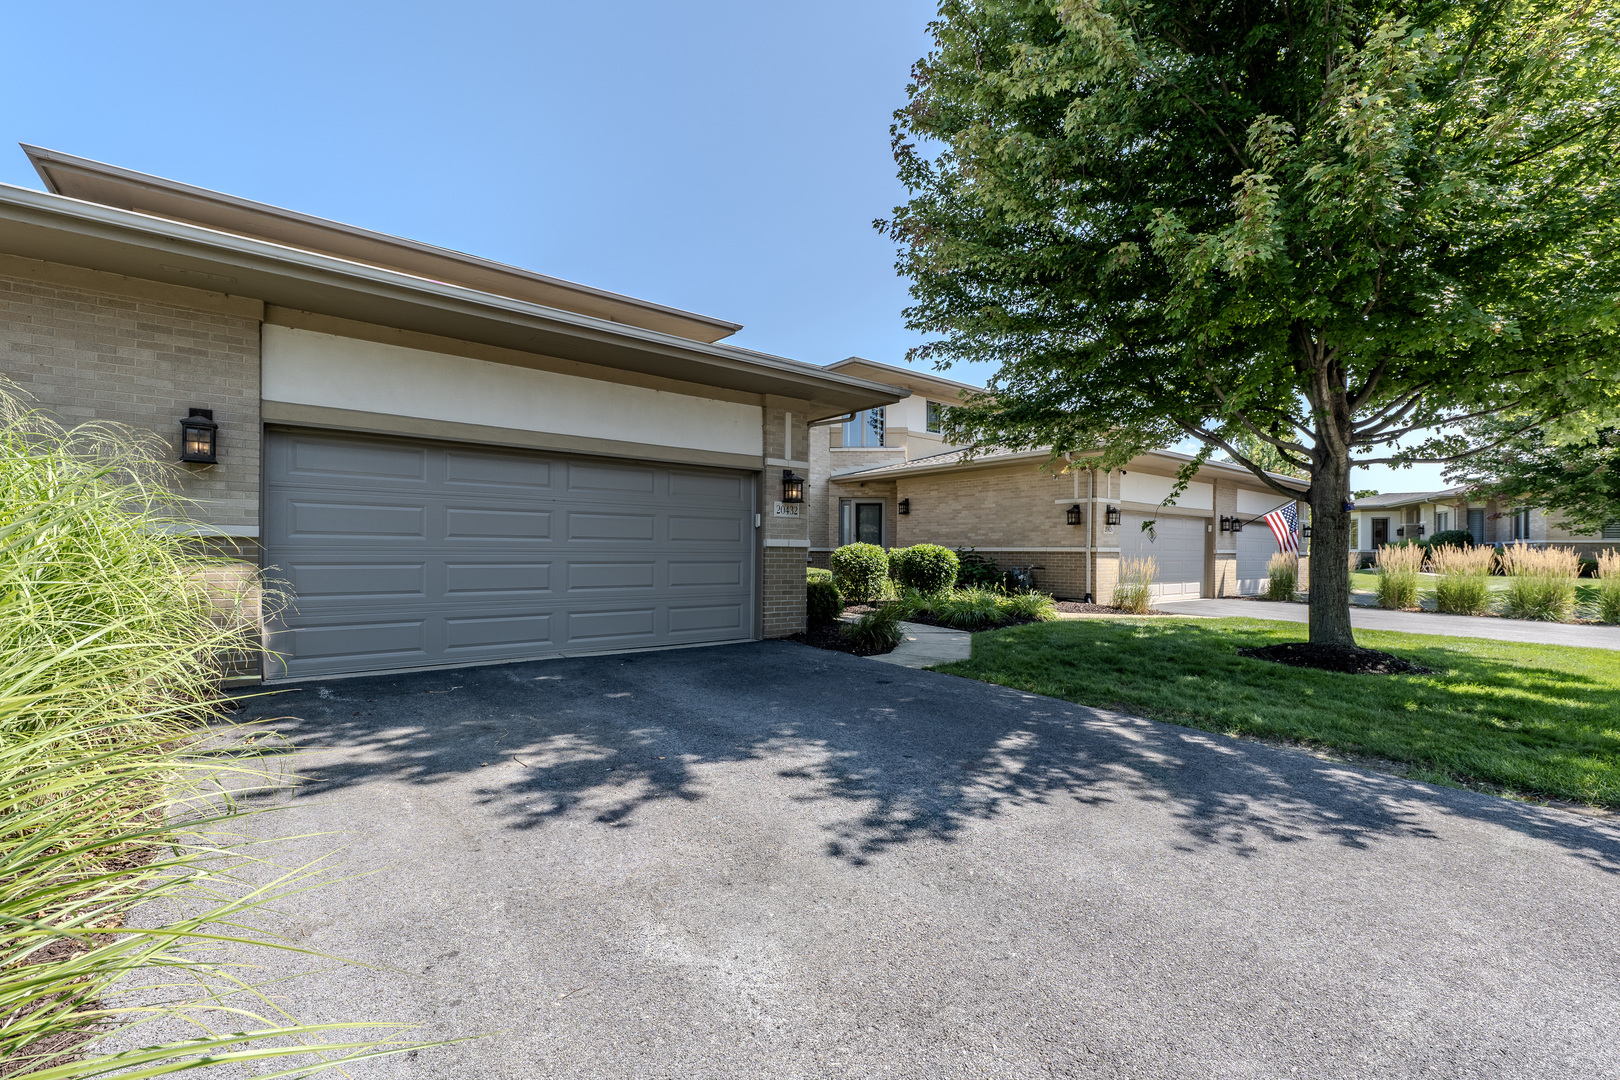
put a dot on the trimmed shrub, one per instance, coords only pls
(1134, 591)
(975, 571)
(1283, 572)
(861, 572)
(1398, 568)
(928, 568)
(1457, 538)
(1541, 583)
(823, 602)
(1608, 598)
(816, 573)
(876, 631)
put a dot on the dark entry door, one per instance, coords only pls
(1476, 525)
(869, 523)
(1380, 532)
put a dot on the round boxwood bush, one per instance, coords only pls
(816, 573)
(861, 571)
(823, 602)
(928, 568)
(1461, 538)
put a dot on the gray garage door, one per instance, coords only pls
(1177, 546)
(1255, 547)
(402, 554)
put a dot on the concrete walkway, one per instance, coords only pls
(1414, 622)
(926, 646)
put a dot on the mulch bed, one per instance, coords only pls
(1350, 661)
(829, 636)
(1075, 607)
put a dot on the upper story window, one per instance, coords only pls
(865, 429)
(935, 412)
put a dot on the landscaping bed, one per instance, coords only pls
(1531, 720)
(832, 636)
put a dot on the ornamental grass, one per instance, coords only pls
(1134, 590)
(1608, 593)
(1541, 582)
(121, 904)
(1398, 567)
(1282, 573)
(1464, 586)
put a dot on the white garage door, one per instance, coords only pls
(402, 553)
(1255, 547)
(1178, 548)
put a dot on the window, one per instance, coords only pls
(860, 522)
(1611, 531)
(865, 429)
(1442, 520)
(1521, 524)
(935, 412)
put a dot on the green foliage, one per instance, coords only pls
(876, 631)
(1607, 606)
(1154, 224)
(1542, 599)
(823, 602)
(1133, 591)
(1398, 591)
(861, 571)
(1030, 605)
(1462, 594)
(976, 571)
(1537, 720)
(1364, 493)
(1257, 451)
(1282, 574)
(115, 770)
(815, 573)
(928, 568)
(977, 608)
(1460, 538)
(1573, 468)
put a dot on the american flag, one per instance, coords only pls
(1284, 522)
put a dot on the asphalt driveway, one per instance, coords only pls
(770, 861)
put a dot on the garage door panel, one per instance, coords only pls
(511, 554)
(353, 520)
(330, 459)
(486, 470)
(489, 581)
(1255, 547)
(504, 523)
(618, 479)
(529, 631)
(345, 581)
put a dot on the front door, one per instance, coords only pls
(1380, 532)
(869, 523)
(1476, 524)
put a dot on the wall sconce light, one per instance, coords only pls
(792, 487)
(199, 438)
(1401, 531)
(1305, 532)
(1074, 515)
(1111, 516)
(1226, 523)
(1237, 525)
(1420, 529)
(904, 507)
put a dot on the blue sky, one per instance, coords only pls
(723, 156)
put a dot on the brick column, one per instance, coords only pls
(784, 529)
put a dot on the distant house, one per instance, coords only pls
(886, 476)
(1416, 515)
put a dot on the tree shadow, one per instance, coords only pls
(912, 755)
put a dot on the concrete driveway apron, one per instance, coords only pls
(768, 860)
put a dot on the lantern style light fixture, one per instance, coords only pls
(1237, 524)
(199, 438)
(1074, 515)
(1111, 516)
(1305, 531)
(1226, 523)
(792, 487)
(904, 507)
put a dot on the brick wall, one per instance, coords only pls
(1016, 506)
(783, 591)
(86, 354)
(785, 539)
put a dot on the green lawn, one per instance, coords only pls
(1534, 720)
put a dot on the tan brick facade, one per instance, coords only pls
(785, 539)
(783, 592)
(85, 354)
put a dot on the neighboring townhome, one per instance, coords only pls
(1417, 515)
(446, 459)
(885, 476)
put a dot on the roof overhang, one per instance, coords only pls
(958, 461)
(54, 228)
(125, 189)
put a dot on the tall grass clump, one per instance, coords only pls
(114, 778)
(1541, 582)
(877, 630)
(1398, 567)
(1608, 597)
(1283, 576)
(1133, 591)
(1464, 585)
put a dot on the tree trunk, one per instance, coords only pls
(1330, 552)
